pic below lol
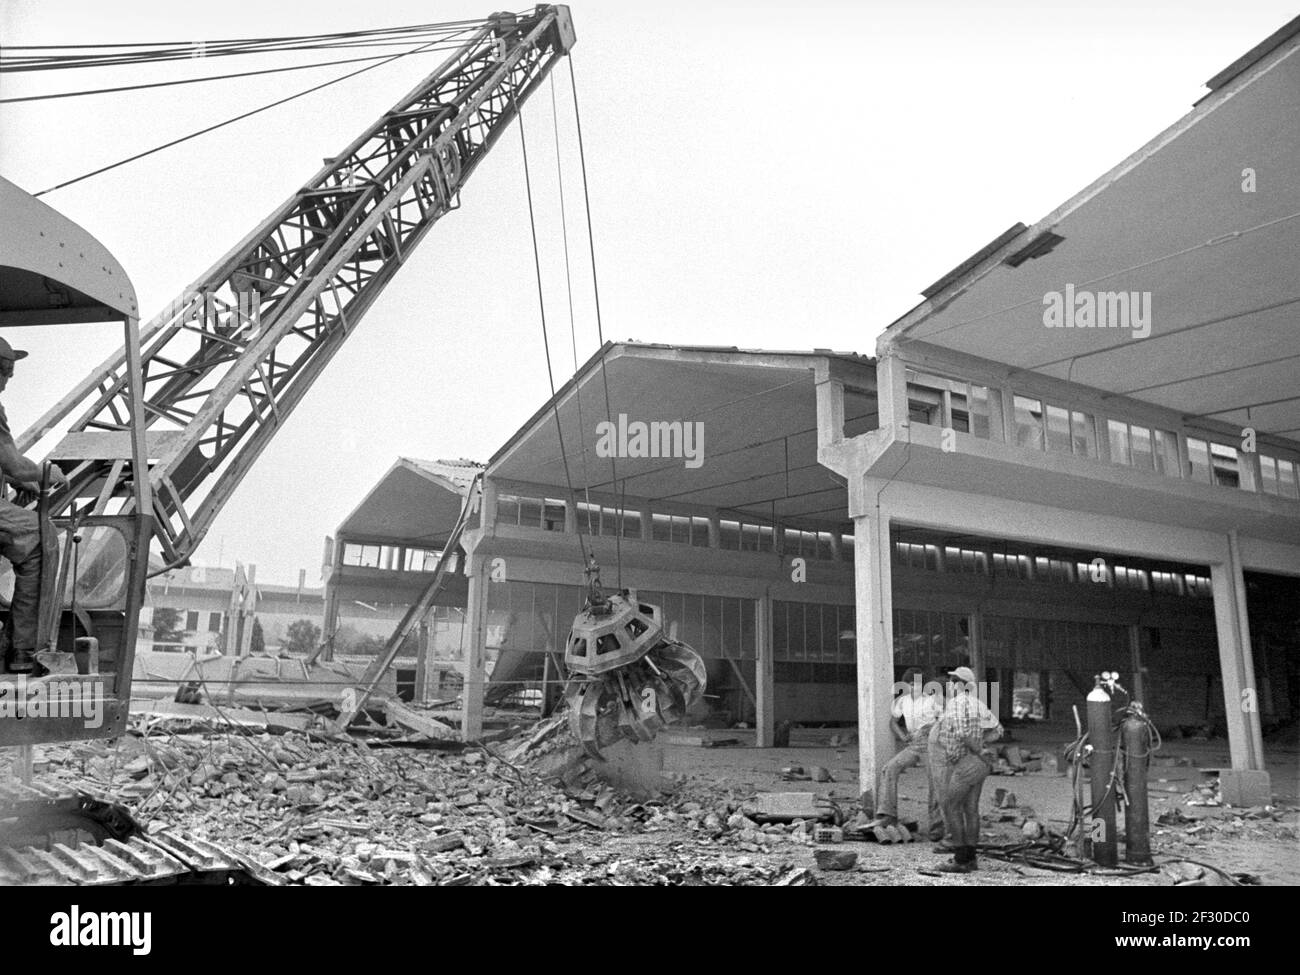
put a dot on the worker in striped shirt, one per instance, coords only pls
(957, 753)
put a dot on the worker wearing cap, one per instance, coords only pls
(20, 534)
(957, 754)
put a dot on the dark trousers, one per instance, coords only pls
(20, 543)
(964, 781)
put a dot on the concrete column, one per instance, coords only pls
(764, 682)
(474, 664)
(1184, 456)
(975, 627)
(330, 616)
(830, 412)
(1245, 744)
(875, 632)
(1008, 399)
(1247, 652)
(487, 514)
(715, 531)
(247, 613)
(1252, 477)
(891, 392)
(422, 662)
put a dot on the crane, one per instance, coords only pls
(160, 435)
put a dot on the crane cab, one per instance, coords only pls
(53, 272)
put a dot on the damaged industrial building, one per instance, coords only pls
(701, 594)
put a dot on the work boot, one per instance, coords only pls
(24, 662)
(962, 862)
(956, 866)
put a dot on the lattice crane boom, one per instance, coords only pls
(227, 362)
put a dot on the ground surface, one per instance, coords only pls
(521, 811)
(1267, 849)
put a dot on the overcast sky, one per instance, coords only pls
(765, 175)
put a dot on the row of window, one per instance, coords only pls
(192, 621)
(536, 616)
(812, 631)
(938, 642)
(397, 558)
(966, 407)
(953, 559)
(733, 535)
(1039, 425)
(935, 642)
(1054, 645)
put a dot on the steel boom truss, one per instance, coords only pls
(227, 362)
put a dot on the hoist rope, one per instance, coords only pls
(546, 341)
(568, 283)
(157, 52)
(600, 329)
(446, 46)
(237, 118)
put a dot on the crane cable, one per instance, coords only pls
(189, 50)
(546, 342)
(448, 46)
(568, 283)
(595, 286)
(237, 118)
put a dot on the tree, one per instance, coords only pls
(257, 643)
(166, 626)
(369, 645)
(302, 637)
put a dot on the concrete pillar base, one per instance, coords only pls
(1245, 787)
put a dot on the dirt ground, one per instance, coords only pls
(324, 812)
(1270, 850)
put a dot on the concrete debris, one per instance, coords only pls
(1184, 874)
(827, 834)
(399, 714)
(893, 833)
(147, 712)
(835, 859)
(1205, 794)
(786, 806)
(798, 877)
(323, 811)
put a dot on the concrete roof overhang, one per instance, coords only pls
(1175, 220)
(758, 415)
(53, 271)
(415, 503)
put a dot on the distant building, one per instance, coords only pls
(381, 559)
(199, 609)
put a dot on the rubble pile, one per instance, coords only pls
(322, 811)
(1219, 822)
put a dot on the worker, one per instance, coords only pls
(918, 712)
(20, 534)
(958, 755)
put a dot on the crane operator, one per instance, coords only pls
(20, 535)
